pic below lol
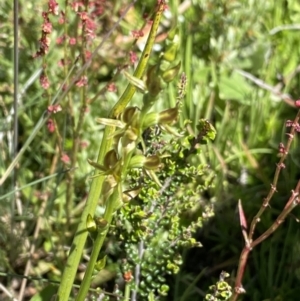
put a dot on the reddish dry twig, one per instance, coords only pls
(290, 205)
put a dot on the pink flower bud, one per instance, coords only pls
(47, 27)
(54, 109)
(65, 158)
(53, 7)
(44, 81)
(51, 125)
(82, 81)
(72, 41)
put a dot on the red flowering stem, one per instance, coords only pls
(280, 166)
(60, 95)
(290, 205)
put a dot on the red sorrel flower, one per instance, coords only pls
(44, 81)
(111, 87)
(133, 57)
(53, 7)
(82, 81)
(54, 109)
(72, 41)
(51, 125)
(137, 33)
(65, 158)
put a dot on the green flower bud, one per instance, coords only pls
(152, 162)
(173, 33)
(129, 114)
(171, 73)
(153, 81)
(150, 120)
(101, 223)
(164, 290)
(129, 140)
(91, 224)
(108, 187)
(100, 264)
(170, 54)
(131, 134)
(172, 45)
(149, 163)
(168, 116)
(128, 195)
(110, 159)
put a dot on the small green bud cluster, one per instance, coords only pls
(221, 291)
(159, 218)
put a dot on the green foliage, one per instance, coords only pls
(45, 294)
(222, 38)
(240, 59)
(157, 225)
(221, 290)
(153, 215)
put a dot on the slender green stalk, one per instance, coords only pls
(127, 292)
(96, 186)
(85, 285)
(188, 108)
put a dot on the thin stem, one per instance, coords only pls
(70, 176)
(290, 205)
(137, 272)
(127, 292)
(85, 285)
(15, 108)
(279, 167)
(32, 249)
(240, 273)
(7, 292)
(141, 68)
(76, 128)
